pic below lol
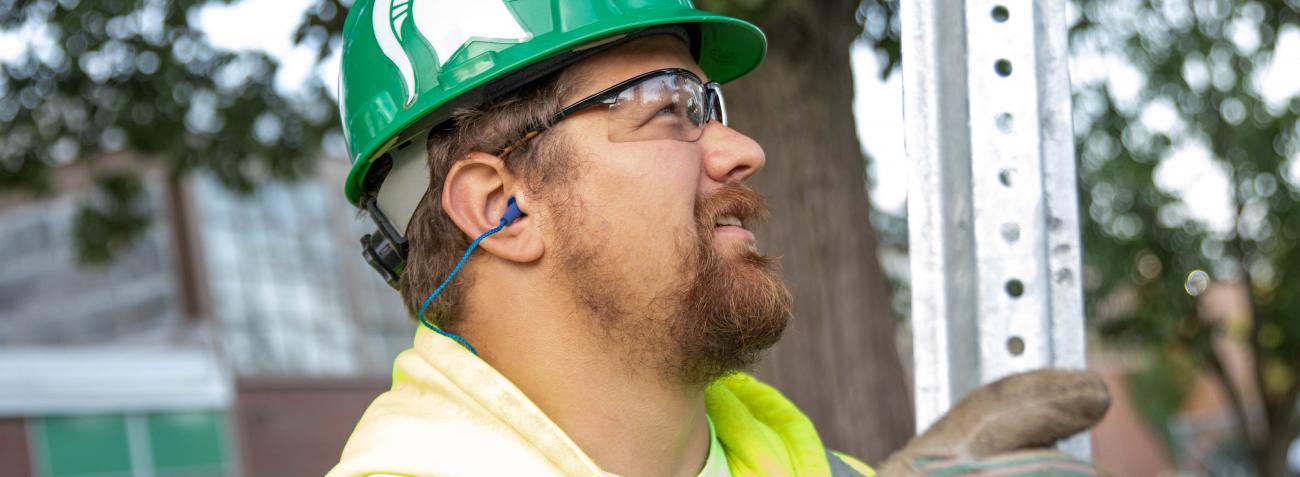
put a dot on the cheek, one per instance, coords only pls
(647, 192)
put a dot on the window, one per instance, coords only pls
(46, 298)
(290, 292)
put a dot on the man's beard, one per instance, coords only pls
(719, 318)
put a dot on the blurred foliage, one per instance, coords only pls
(104, 76)
(882, 30)
(1202, 68)
(109, 221)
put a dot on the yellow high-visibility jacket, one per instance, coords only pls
(451, 414)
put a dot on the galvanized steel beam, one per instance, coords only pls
(992, 204)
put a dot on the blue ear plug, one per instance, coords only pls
(512, 214)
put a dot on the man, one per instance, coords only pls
(564, 210)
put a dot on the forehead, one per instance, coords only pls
(628, 60)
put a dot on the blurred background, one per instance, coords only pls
(181, 292)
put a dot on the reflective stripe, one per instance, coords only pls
(839, 468)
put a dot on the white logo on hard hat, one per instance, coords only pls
(446, 24)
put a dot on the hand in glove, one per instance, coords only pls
(1006, 428)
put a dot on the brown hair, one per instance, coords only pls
(435, 242)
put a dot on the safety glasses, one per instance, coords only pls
(670, 103)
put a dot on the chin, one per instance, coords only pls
(735, 308)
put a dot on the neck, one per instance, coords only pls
(632, 422)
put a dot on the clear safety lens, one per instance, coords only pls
(663, 107)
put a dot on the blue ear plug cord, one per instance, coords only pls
(512, 213)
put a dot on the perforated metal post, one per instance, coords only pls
(994, 223)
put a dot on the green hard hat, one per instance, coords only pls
(407, 64)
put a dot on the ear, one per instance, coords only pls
(475, 194)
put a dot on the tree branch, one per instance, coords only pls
(1235, 399)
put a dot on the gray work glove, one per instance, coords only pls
(1006, 428)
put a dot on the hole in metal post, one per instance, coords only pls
(1003, 67)
(1005, 176)
(1006, 123)
(1010, 232)
(1000, 14)
(1016, 345)
(1015, 288)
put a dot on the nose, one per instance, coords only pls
(729, 156)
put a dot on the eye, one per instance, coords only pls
(667, 109)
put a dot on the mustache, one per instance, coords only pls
(732, 199)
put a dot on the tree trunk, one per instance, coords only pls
(838, 360)
(1270, 456)
(1271, 461)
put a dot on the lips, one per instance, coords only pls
(731, 226)
(729, 211)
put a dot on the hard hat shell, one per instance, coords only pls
(407, 64)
